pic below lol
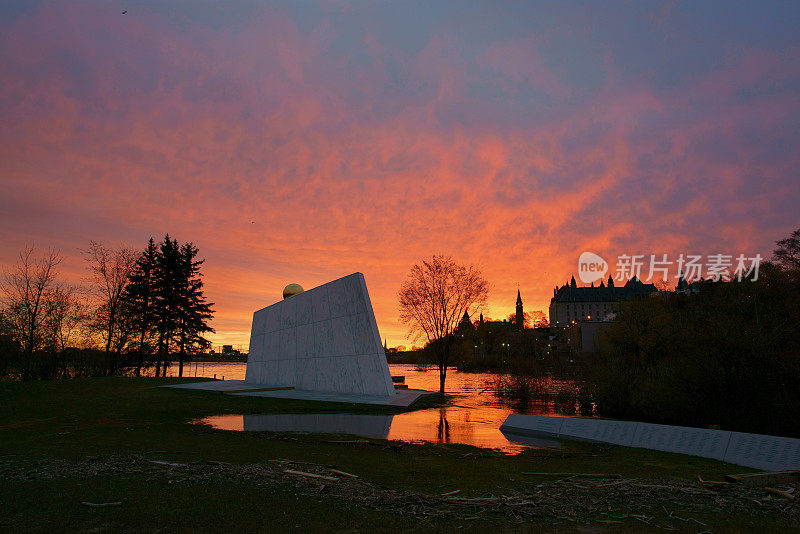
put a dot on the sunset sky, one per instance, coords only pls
(302, 141)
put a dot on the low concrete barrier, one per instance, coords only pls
(771, 453)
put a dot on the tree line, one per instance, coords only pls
(727, 356)
(135, 312)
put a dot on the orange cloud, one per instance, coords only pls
(298, 152)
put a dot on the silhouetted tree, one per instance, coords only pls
(111, 270)
(180, 312)
(166, 298)
(539, 319)
(193, 310)
(29, 290)
(787, 255)
(726, 355)
(433, 300)
(526, 319)
(140, 297)
(68, 315)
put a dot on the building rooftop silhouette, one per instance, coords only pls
(570, 302)
(602, 293)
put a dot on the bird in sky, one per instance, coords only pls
(125, 12)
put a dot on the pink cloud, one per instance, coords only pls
(285, 160)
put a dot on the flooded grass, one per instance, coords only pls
(95, 440)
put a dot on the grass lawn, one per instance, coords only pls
(63, 443)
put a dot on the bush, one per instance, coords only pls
(46, 364)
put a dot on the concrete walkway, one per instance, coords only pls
(402, 397)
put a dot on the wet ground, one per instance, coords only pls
(473, 418)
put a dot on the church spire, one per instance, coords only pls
(520, 317)
(682, 284)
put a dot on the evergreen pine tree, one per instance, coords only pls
(193, 312)
(140, 299)
(167, 302)
(166, 299)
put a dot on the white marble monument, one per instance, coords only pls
(751, 450)
(771, 453)
(533, 425)
(684, 440)
(598, 430)
(324, 339)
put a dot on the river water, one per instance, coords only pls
(473, 417)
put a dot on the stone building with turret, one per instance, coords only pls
(572, 303)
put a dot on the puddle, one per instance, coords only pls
(477, 427)
(473, 418)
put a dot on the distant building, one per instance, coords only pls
(571, 303)
(465, 326)
(520, 318)
(227, 349)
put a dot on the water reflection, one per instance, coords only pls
(467, 390)
(473, 417)
(444, 427)
(530, 441)
(437, 425)
(370, 426)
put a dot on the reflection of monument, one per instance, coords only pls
(324, 339)
(370, 426)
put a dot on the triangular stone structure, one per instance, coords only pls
(324, 339)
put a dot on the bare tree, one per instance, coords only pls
(68, 315)
(28, 291)
(433, 299)
(110, 272)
